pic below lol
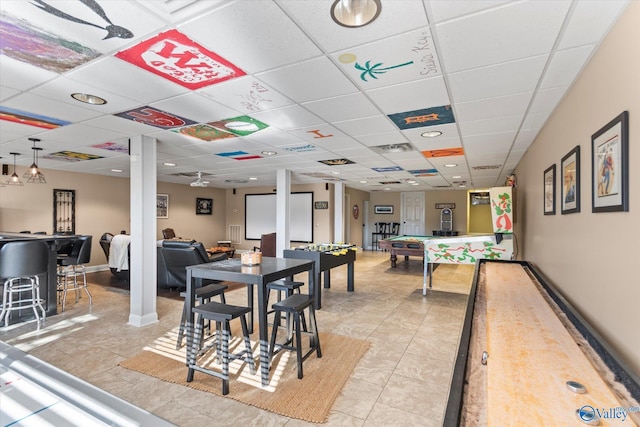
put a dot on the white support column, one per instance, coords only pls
(338, 216)
(283, 214)
(142, 268)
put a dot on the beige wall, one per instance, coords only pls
(356, 197)
(591, 257)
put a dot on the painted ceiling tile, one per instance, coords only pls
(23, 41)
(204, 132)
(444, 152)
(336, 162)
(174, 56)
(113, 146)
(411, 56)
(422, 118)
(241, 125)
(157, 118)
(388, 169)
(424, 172)
(71, 156)
(25, 118)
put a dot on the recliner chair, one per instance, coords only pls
(105, 244)
(173, 258)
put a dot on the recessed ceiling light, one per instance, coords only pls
(269, 153)
(456, 176)
(355, 13)
(363, 182)
(450, 165)
(431, 134)
(168, 164)
(415, 183)
(335, 172)
(88, 99)
(387, 189)
(117, 170)
(253, 178)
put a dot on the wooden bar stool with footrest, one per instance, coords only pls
(222, 314)
(288, 287)
(203, 295)
(295, 305)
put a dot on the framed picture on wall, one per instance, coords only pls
(162, 206)
(550, 190)
(204, 206)
(610, 166)
(383, 209)
(570, 169)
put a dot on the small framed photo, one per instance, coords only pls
(570, 168)
(610, 166)
(162, 206)
(550, 190)
(383, 209)
(204, 206)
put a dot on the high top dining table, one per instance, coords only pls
(269, 270)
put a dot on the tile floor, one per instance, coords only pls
(402, 380)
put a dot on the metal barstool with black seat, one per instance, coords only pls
(20, 265)
(295, 305)
(222, 314)
(71, 266)
(203, 295)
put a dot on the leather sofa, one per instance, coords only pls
(173, 258)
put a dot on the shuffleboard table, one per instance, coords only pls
(404, 245)
(527, 358)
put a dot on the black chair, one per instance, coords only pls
(295, 306)
(21, 264)
(71, 266)
(173, 258)
(267, 245)
(222, 314)
(382, 230)
(394, 230)
(168, 233)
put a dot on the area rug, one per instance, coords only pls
(309, 398)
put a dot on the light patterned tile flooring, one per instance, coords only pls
(402, 380)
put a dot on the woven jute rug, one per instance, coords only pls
(309, 398)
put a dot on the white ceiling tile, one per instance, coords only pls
(195, 107)
(514, 33)
(411, 96)
(288, 118)
(497, 80)
(346, 107)
(366, 126)
(500, 124)
(565, 66)
(510, 105)
(310, 80)
(590, 20)
(260, 50)
(386, 138)
(443, 10)
(547, 99)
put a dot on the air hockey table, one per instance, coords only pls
(527, 358)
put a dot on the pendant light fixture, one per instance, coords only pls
(33, 174)
(14, 179)
(355, 13)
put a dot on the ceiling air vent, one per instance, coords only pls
(487, 167)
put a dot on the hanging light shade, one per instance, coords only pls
(14, 179)
(33, 174)
(355, 13)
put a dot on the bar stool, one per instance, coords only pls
(222, 314)
(295, 305)
(20, 265)
(71, 266)
(203, 295)
(288, 287)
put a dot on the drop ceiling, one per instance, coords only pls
(223, 85)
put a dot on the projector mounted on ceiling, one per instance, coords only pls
(199, 182)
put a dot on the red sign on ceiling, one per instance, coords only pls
(176, 57)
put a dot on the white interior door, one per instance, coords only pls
(412, 213)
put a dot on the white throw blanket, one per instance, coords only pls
(119, 252)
